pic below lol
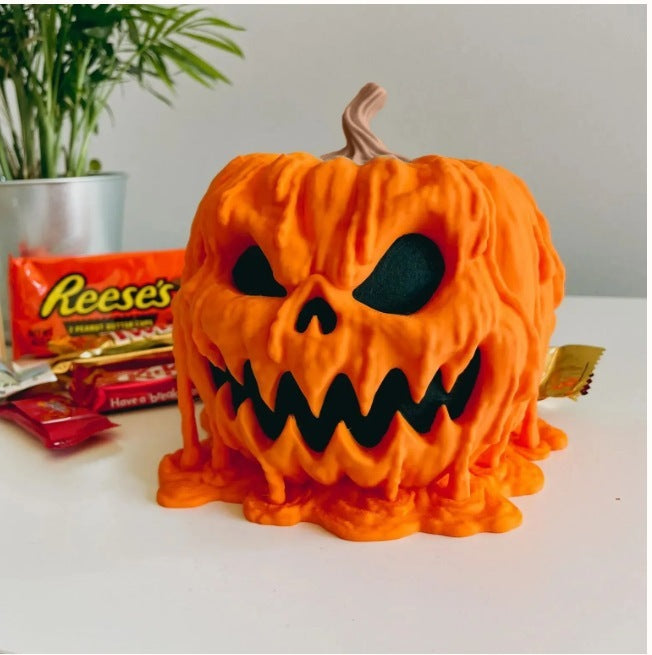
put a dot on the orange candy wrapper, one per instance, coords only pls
(71, 304)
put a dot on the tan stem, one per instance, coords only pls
(361, 143)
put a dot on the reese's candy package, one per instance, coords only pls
(71, 304)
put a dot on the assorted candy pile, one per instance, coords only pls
(104, 323)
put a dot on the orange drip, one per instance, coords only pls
(359, 514)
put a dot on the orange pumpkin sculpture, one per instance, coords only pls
(367, 335)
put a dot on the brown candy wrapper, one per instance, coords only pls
(568, 371)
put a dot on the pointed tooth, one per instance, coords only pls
(446, 432)
(328, 469)
(366, 400)
(366, 392)
(419, 382)
(267, 382)
(442, 426)
(366, 373)
(215, 357)
(288, 451)
(419, 385)
(448, 373)
(236, 368)
(315, 374)
(347, 457)
(442, 418)
(315, 393)
(451, 370)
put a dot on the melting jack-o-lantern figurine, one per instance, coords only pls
(367, 335)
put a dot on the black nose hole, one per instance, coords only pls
(322, 310)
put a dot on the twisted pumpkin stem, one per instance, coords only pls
(361, 143)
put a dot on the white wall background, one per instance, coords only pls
(555, 93)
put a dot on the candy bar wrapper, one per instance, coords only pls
(55, 420)
(568, 371)
(132, 380)
(14, 378)
(65, 305)
(110, 352)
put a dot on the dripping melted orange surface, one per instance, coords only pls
(323, 226)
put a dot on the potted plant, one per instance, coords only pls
(59, 65)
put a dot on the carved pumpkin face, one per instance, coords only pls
(360, 334)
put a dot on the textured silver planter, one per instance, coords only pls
(60, 216)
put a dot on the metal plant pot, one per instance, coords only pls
(59, 216)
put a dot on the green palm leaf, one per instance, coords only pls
(62, 63)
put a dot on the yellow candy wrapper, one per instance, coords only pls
(568, 371)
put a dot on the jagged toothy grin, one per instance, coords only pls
(341, 404)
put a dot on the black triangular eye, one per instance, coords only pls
(252, 274)
(405, 278)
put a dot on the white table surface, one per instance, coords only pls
(89, 561)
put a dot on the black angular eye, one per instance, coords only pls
(405, 278)
(252, 274)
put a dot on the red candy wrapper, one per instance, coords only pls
(67, 304)
(149, 379)
(55, 420)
